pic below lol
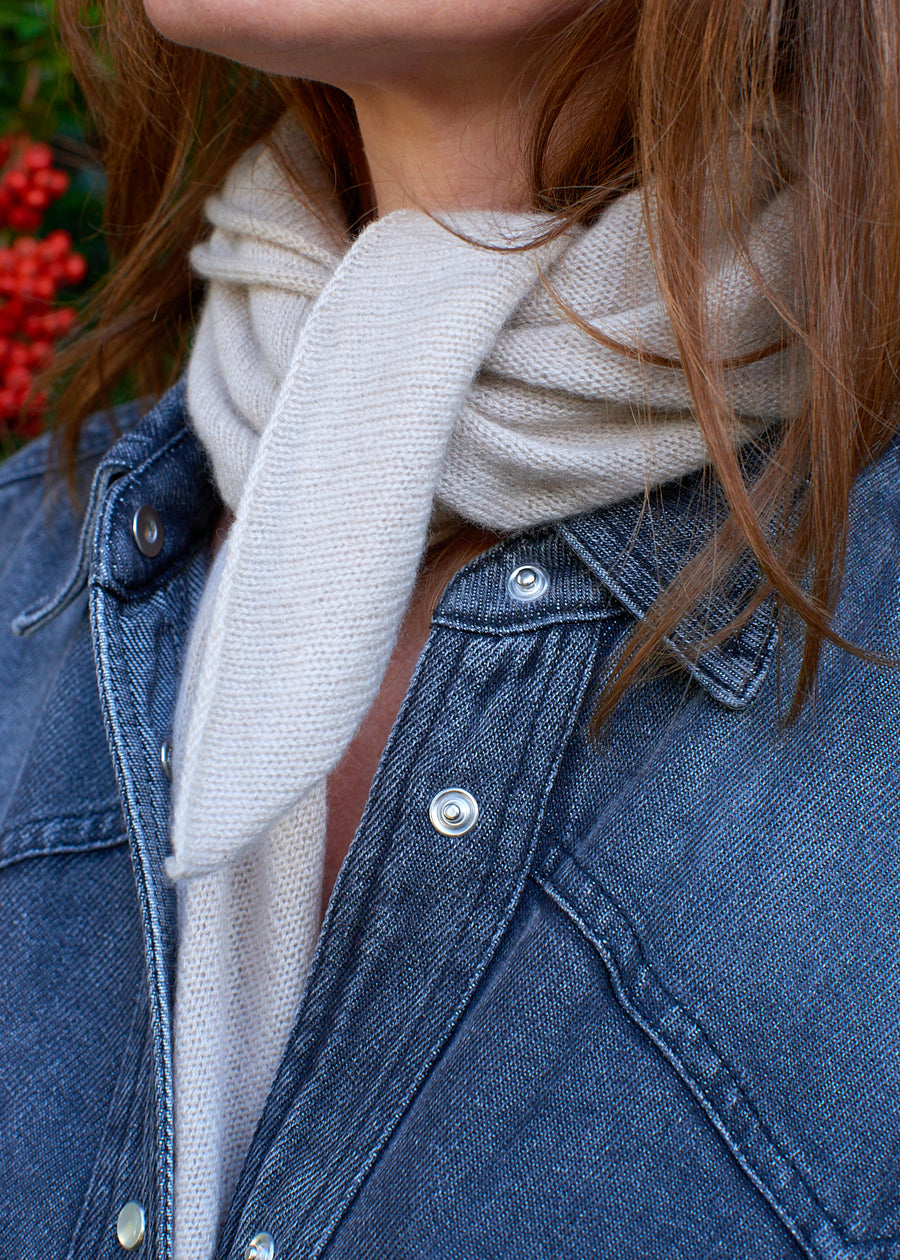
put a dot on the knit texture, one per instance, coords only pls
(345, 393)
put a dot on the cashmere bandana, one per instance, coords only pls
(345, 392)
(342, 393)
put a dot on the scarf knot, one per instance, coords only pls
(345, 392)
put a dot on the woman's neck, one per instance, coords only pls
(457, 149)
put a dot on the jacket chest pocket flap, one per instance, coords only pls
(781, 1015)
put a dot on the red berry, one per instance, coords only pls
(20, 219)
(23, 219)
(37, 157)
(37, 199)
(43, 288)
(18, 354)
(17, 182)
(63, 319)
(25, 245)
(18, 378)
(56, 245)
(58, 184)
(76, 268)
(39, 352)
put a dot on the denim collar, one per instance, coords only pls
(634, 548)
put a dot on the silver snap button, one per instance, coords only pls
(528, 582)
(260, 1247)
(453, 812)
(148, 531)
(130, 1225)
(165, 758)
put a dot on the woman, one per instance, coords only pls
(527, 516)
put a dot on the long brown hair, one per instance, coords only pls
(652, 94)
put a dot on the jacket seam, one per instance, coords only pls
(131, 803)
(110, 815)
(63, 851)
(512, 901)
(502, 632)
(621, 988)
(43, 820)
(104, 1167)
(702, 666)
(156, 582)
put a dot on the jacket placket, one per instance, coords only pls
(141, 608)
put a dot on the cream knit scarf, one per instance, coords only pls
(344, 393)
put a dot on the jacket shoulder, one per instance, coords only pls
(882, 476)
(39, 519)
(36, 459)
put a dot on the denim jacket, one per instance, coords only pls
(642, 1002)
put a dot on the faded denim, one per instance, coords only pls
(649, 1007)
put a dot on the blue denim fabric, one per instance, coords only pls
(648, 1007)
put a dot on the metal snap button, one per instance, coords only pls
(130, 1225)
(260, 1247)
(148, 531)
(453, 812)
(165, 758)
(528, 582)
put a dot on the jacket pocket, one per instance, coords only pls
(72, 974)
(96, 828)
(818, 1136)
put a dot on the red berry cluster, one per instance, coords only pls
(30, 184)
(32, 272)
